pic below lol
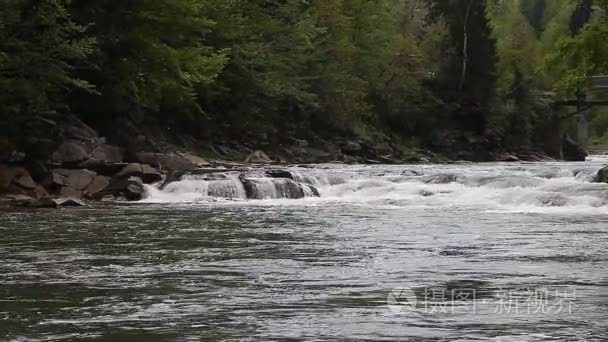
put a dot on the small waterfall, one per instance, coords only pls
(259, 185)
(275, 188)
(259, 188)
(221, 186)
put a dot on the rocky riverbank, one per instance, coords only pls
(79, 164)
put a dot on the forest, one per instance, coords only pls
(455, 77)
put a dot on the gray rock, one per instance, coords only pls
(279, 174)
(602, 175)
(258, 157)
(77, 179)
(67, 191)
(133, 169)
(97, 185)
(102, 167)
(441, 179)
(135, 189)
(17, 180)
(25, 181)
(147, 173)
(171, 162)
(150, 175)
(107, 153)
(131, 188)
(70, 152)
(195, 160)
(412, 173)
(426, 193)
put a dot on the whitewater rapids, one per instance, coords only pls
(543, 187)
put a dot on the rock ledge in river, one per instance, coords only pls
(602, 175)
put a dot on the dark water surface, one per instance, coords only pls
(535, 267)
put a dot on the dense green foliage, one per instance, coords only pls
(238, 69)
(584, 54)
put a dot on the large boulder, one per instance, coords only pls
(147, 173)
(107, 153)
(66, 191)
(572, 151)
(76, 179)
(17, 180)
(150, 175)
(70, 152)
(133, 169)
(602, 175)
(25, 181)
(98, 184)
(195, 160)
(81, 147)
(131, 188)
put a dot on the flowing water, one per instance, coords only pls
(460, 252)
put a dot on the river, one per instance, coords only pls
(456, 252)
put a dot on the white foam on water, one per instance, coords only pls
(265, 188)
(195, 188)
(520, 187)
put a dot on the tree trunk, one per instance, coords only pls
(465, 46)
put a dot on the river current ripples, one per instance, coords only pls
(459, 252)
